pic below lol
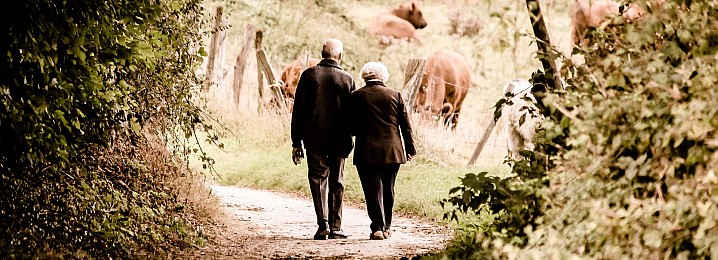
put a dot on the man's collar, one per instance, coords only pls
(330, 63)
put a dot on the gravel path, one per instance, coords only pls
(269, 225)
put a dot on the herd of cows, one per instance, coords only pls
(446, 78)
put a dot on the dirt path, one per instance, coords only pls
(263, 224)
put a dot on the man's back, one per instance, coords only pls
(320, 109)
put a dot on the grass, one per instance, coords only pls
(258, 152)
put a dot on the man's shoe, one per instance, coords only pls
(338, 234)
(387, 234)
(321, 234)
(377, 235)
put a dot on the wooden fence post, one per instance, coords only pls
(487, 132)
(213, 48)
(260, 77)
(263, 64)
(264, 67)
(412, 78)
(305, 60)
(242, 62)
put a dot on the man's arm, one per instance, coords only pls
(298, 111)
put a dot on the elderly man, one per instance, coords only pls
(319, 117)
(380, 122)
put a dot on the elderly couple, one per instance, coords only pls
(328, 111)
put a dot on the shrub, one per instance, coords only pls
(635, 174)
(89, 91)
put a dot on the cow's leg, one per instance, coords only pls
(437, 101)
(454, 120)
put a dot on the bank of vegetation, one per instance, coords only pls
(626, 164)
(96, 102)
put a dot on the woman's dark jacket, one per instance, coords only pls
(379, 121)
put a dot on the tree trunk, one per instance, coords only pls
(543, 42)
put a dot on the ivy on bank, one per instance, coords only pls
(87, 89)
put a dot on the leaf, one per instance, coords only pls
(136, 128)
(466, 197)
(61, 116)
(454, 190)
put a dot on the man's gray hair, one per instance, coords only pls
(374, 70)
(332, 49)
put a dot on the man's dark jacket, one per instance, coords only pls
(380, 121)
(321, 106)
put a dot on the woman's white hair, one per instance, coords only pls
(374, 70)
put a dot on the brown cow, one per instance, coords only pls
(398, 23)
(290, 77)
(444, 84)
(587, 14)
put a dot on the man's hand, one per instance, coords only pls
(409, 157)
(297, 155)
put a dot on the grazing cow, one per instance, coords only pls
(444, 84)
(290, 77)
(591, 14)
(522, 117)
(398, 23)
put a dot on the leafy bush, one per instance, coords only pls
(635, 175)
(639, 178)
(512, 203)
(88, 92)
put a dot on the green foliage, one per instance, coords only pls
(514, 202)
(637, 179)
(83, 86)
(631, 152)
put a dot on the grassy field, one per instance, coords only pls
(257, 151)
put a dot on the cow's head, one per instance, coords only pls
(411, 13)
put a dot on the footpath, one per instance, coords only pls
(269, 225)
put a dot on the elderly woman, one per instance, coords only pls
(380, 121)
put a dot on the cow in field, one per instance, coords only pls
(445, 81)
(290, 77)
(522, 117)
(592, 14)
(400, 22)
